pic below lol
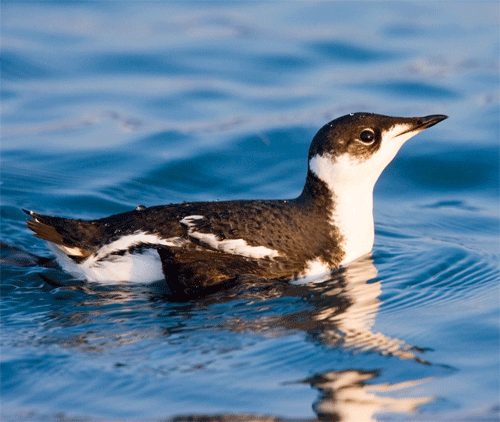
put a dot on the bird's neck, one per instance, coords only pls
(350, 211)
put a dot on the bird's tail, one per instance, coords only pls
(76, 238)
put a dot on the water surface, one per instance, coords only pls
(106, 106)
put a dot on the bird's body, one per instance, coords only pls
(195, 246)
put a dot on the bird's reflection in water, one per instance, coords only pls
(341, 311)
(345, 396)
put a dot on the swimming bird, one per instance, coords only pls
(200, 245)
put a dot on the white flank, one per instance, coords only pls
(142, 267)
(232, 246)
(105, 266)
(351, 182)
(316, 271)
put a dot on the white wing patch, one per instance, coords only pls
(189, 221)
(135, 239)
(235, 246)
(232, 246)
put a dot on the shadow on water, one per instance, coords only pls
(337, 312)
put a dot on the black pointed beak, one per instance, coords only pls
(428, 121)
(421, 123)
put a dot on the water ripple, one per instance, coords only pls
(440, 278)
(344, 52)
(16, 67)
(411, 89)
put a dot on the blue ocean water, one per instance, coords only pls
(107, 105)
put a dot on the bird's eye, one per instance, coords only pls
(367, 136)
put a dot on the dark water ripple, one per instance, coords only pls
(410, 89)
(343, 52)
